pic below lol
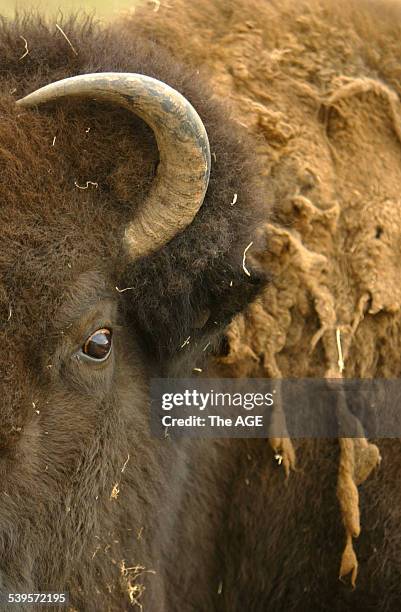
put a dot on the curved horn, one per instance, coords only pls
(182, 176)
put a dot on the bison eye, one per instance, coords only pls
(98, 345)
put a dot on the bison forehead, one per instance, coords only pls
(70, 175)
(36, 272)
(51, 236)
(69, 181)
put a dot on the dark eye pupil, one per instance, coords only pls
(98, 345)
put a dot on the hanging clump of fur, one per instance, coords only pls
(358, 458)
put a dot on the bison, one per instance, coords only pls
(139, 161)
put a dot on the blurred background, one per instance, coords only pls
(102, 8)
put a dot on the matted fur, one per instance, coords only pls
(318, 82)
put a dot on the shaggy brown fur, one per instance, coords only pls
(89, 502)
(317, 82)
(200, 526)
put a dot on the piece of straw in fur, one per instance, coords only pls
(26, 48)
(244, 259)
(66, 38)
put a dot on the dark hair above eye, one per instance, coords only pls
(98, 345)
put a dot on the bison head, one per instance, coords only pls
(116, 265)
